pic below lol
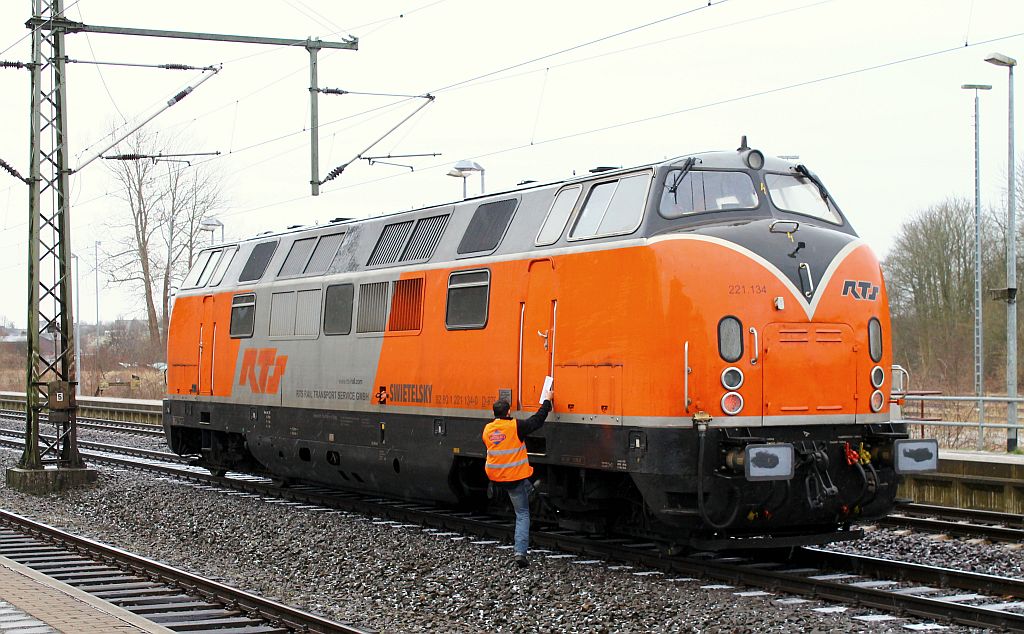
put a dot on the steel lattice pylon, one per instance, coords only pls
(51, 370)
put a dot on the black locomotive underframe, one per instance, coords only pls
(639, 481)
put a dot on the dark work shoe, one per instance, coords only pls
(522, 562)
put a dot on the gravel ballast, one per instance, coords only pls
(404, 579)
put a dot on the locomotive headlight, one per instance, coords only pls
(754, 159)
(877, 400)
(877, 376)
(732, 403)
(732, 378)
(769, 462)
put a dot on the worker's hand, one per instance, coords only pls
(548, 395)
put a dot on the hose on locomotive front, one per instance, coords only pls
(701, 430)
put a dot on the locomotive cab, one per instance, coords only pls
(784, 339)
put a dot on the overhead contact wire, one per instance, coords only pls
(651, 118)
(711, 3)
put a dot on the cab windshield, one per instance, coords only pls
(801, 195)
(695, 191)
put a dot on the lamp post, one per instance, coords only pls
(78, 330)
(462, 170)
(979, 353)
(1011, 270)
(211, 224)
(96, 344)
(457, 174)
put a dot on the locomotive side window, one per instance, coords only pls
(490, 220)
(258, 260)
(730, 339)
(557, 215)
(297, 257)
(222, 268)
(311, 256)
(243, 315)
(373, 307)
(875, 339)
(282, 314)
(801, 195)
(612, 208)
(338, 309)
(323, 255)
(467, 300)
(690, 192)
(192, 279)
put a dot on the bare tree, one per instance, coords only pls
(191, 194)
(139, 187)
(930, 277)
(166, 203)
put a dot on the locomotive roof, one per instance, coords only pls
(717, 159)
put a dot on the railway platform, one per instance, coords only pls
(32, 603)
(972, 480)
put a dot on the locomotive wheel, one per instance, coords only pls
(217, 472)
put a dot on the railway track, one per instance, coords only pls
(941, 594)
(100, 424)
(950, 521)
(958, 522)
(176, 599)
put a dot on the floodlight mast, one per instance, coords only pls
(979, 349)
(998, 59)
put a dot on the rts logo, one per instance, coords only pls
(262, 369)
(860, 290)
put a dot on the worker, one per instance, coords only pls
(509, 467)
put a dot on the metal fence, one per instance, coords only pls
(958, 422)
(949, 418)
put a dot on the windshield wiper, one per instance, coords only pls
(687, 166)
(802, 169)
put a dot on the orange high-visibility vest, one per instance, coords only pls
(506, 454)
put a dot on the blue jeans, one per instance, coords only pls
(520, 495)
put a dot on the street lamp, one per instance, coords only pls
(979, 354)
(1011, 271)
(457, 174)
(462, 170)
(211, 224)
(96, 344)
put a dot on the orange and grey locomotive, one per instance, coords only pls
(717, 334)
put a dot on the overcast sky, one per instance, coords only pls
(866, 93)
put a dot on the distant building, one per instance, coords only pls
(14, 341)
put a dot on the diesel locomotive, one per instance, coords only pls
(718, 337)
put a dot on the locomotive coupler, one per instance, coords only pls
(818, 484)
